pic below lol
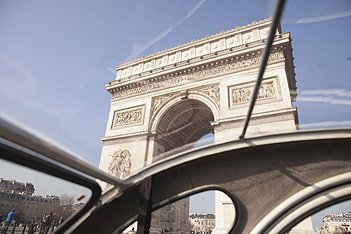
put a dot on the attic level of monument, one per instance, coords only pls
(232, 36)
(232, 51)
(198, 72)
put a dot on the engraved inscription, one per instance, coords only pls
(129, 116)
(120, 164)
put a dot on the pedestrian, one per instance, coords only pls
(8, 220)
(42, 223)
(47, 222)
(32, 227)
(60, 220)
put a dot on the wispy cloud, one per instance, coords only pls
(328, 96)
(24, 75)
(195, 8)
(22, 86)
(336, 92)
(140, 48)
(326, 124)
(112, 70)
(320, 18)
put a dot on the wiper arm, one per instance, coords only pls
(275, 21)
(145, 206)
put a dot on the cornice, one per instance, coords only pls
(124, 136)
(231, 39)
(212, 69)
(200, 40)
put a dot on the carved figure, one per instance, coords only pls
(120, 164)
(128, 117)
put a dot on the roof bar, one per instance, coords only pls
(23, 138)
(275, 21)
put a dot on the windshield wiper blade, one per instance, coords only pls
(274, 26)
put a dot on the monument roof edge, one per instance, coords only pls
(193, 42)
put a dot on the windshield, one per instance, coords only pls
(56, 57)
(126, 83)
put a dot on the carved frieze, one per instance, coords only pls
(130, 116)
(120, 164)
(158, 101)
(242, 94)
(211, 91)
(199, 73)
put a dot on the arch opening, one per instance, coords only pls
(182, 124)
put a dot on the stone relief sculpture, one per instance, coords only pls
(212, 91)
(129, 116)
(120, 164)
(266, 90)
(243, 95)
(158, 101)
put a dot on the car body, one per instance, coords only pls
(274, 180)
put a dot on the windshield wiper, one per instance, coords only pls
(274, 25)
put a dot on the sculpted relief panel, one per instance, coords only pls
(242, 94)
(158, 101)
(130, 116)
(120, 164)
(212, 91)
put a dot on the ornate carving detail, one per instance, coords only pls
(120, 164)
(212, 91)
(242, 95)
(158, 101)
(129, 116)
(198, 73)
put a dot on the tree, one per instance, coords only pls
(66, 200)
(66, 206)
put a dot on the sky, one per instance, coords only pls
(56, 56)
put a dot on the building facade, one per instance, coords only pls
(172, 218)
(336, 223)
(202, 223)
(18, 196)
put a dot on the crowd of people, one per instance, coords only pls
(47, 223)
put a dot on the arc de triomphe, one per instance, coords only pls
(212, 78)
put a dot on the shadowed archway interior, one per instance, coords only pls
(184, 123)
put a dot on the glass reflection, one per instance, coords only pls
(204, 212)
(31, 201)
(334, 219)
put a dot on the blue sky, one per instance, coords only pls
(56, 56)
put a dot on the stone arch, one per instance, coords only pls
(175, 99)
(181, 122)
